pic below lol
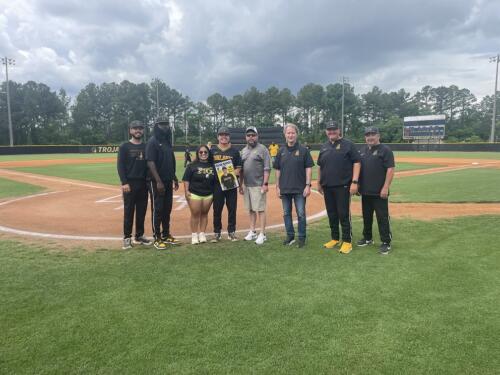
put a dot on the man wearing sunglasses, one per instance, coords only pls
(254, 178)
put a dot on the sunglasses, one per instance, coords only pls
(203, 152)
(251, 135)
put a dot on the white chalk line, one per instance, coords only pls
(55, 179)
(180, 199)
(29, 197)
(104, 238)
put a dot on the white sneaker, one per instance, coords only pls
(251, 236)
(261, 239)
(194, 239)
(202, 238)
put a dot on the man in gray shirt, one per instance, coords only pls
(254, 179)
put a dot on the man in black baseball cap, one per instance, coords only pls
(162, 181)
(225, 155)
(132, 169)
(338, 174)
(377, 172)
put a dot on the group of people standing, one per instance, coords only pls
(219, 173)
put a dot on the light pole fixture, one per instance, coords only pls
(8, 62)
(493, 118)
(344, 81)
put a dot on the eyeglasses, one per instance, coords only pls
(251, 135)
(203, 152)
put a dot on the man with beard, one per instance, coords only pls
(132, 169)
(255, 180)
(162, 182)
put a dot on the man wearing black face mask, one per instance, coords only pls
(162, 181)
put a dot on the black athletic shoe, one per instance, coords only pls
(217, 238)
(301, 243)
(289, 241)
(171, 240)
(364, 242)
(232, 237)
(384, 248)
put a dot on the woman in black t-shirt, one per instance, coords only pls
(199, 180)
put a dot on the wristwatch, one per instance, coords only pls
(355, 182)
(309, 185)
(265, 184)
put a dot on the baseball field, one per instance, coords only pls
(73, 302)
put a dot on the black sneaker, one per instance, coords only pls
(384, 248)
(301, 243)
(142, 241)
(289, 241)
(232, 237)
(127, 244)
(217, 237)
(364, 242)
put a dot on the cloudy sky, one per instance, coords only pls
(204, 46)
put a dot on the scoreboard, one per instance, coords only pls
(424, 127)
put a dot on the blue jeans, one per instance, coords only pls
(300, 208)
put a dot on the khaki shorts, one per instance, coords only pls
(255, 200)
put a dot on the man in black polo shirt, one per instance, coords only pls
(293, 166)
(132, 169)
(162, 182)
(338, 175)
(224, 152)
(377, 172)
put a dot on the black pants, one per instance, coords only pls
(338, 203)
(230, 198)
(370, 203)
(161, 206)
(136, 201)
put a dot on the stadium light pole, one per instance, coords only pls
(493, 119)
(8, 61)
(344, 81)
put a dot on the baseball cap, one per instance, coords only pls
(163, 121)
(135, 124)
(371, 130)
(251, 129)
(332, 125)
(223, 130)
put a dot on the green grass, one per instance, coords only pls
(9, 188)
(449, 154)
(469, 185)
(429, 307)
(106, 172)
(55, 156)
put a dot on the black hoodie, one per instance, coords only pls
(159, 150)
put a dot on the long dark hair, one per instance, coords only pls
(210, 156)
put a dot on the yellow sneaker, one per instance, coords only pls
(346, 247)
(331, 244)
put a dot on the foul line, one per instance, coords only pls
(60, 180)
(29, 197)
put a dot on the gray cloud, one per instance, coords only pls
(200, 47)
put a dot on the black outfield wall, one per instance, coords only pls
(89, 149)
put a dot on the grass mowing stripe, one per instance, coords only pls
(10, 188)
(468, 185)
(429, 307)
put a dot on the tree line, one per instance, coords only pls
(99, 114)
